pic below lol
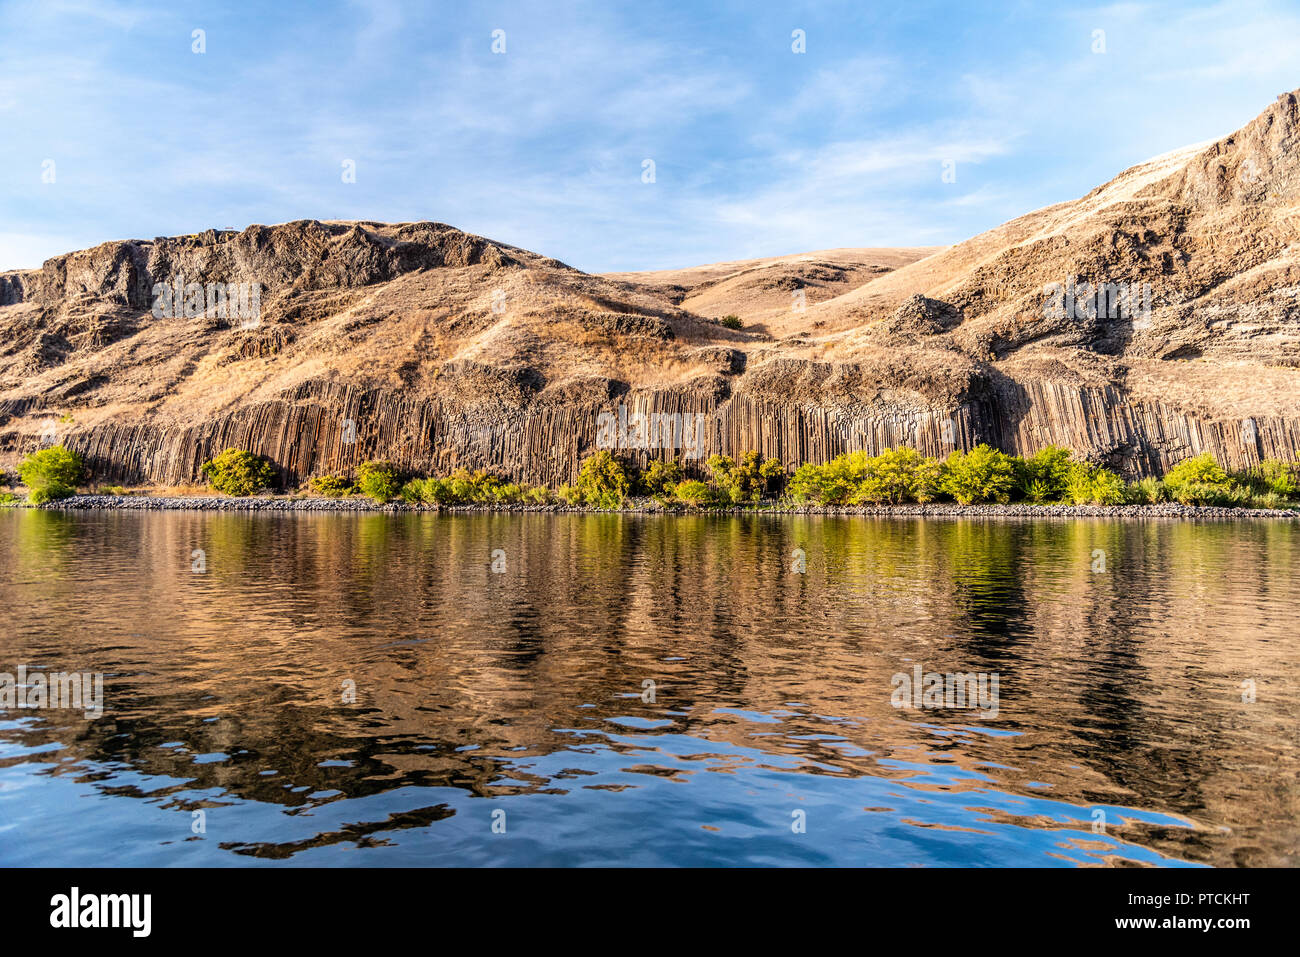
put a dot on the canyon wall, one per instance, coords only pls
(323, 428)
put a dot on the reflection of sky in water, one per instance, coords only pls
(610, 797)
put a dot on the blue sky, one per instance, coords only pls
(758, 150)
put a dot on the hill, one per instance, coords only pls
(434, 347)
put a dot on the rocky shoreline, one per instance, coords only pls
(649, 507)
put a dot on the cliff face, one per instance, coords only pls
(426, 345)
(307, 432)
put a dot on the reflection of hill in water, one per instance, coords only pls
(1119, 688)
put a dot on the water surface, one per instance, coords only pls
(649, 691)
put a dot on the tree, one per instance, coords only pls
(51, 473)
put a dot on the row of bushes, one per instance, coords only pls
(895, 476)
(604, 481)
(1051, 476)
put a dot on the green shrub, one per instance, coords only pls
(472, 488)
(413, 492)
(51, 474)
(438, 491)
(522, 494)
(1201, 493)
(812, 483)
(237, 472)
(981, 475)
(379, 480)
(1038, 492)
(8, 498)
(1198, 481)
(661, 478)
(330, 486)
(732, 321)
(429, 491)
(1236, 497)
(1148, 491)
(537, 495)
(570, 494)
(464, 487)
(1282, 478)
(806, 483)
(894, 476)
(1088, 484)
(1043, 476)
(899, 475)
(744, 482)
(510, 493)
(603, 481)
(834, 483)
(1270, 500)
(694, 493)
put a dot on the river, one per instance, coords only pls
(569, 689)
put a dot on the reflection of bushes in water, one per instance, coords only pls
(867, 550)
(744, 563)
(595, 553)
(601, 569)
(366, 562)
(343, 556)
(238, 546)
(41, 542)
(1104, 566)
(578, 560)
(980, 551)
(715, 550)
(373, 542)
(985, 564)
(1222, 559)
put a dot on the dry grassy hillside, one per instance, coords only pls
(766, 293)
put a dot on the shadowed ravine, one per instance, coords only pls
(524, 690)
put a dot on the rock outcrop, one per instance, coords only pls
(423, 344)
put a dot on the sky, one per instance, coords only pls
(899, 123)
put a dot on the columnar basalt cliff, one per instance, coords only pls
(423, 344)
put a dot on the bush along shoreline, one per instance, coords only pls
(900, 481)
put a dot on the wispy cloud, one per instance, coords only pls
(757, 149)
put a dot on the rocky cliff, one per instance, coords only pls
(435, 348)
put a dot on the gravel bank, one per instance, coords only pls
(945, 509)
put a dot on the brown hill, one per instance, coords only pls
(764, 292)
(433, 347)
